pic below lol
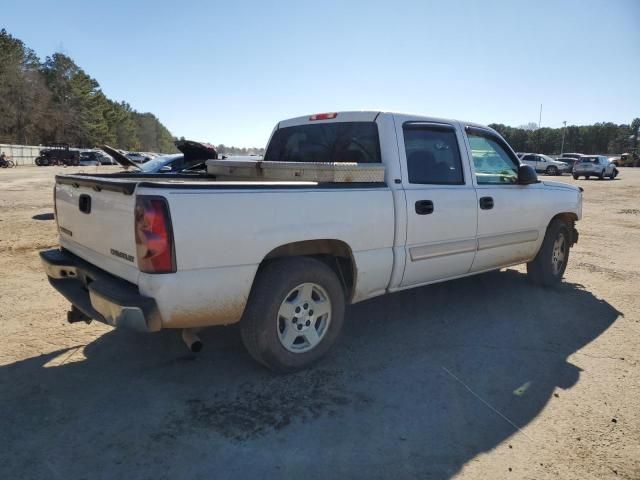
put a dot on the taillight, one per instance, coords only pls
(154, 236)
(323, 116)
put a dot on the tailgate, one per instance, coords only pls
(98, 226)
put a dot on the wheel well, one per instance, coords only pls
(570, 219)
(334, 253)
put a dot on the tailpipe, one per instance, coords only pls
(191, 340)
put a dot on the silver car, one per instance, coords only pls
(594, 166)
(544, 163)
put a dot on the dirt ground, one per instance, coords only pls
(485, 377)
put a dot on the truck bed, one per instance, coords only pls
(222, 231)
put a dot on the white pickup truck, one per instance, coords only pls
(283, 258)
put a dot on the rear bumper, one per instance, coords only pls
(587, 171)
(98, 294)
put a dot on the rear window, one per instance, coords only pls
(328, 142)
(589, 160)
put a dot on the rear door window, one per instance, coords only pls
(327, 142)
(433, 156)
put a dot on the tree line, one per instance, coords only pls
(227, 150)
(55, 101)
(604, 138)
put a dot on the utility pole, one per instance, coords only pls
(538, 134)
(563, 129)
(540, 118)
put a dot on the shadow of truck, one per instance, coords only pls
(390, 401)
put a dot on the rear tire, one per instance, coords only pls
(279, 327)
(576, 177)
(550, 264)
(587, 177)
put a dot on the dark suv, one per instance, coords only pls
(58, 154)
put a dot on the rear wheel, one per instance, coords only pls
(294, 314)
(10, 164)
(549, 265)
(576, 177)
(587, 177)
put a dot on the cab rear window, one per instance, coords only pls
(328, 142)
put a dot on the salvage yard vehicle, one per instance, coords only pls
(58, 154)
(595, 166)
(629, 159)
(193, 157)
(95, 157)
(545, 164)
(413, 201)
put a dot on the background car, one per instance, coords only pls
(138, 157)
(96, 157)
(544, 163)
(58, 154)
(192, 158)
(595, 166)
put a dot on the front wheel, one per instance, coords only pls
(552, 171)
(576, 177)
(601, 176)
(294, 314)
(549, 265)
(10, 164)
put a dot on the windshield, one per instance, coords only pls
(547, 158)
(329, 142)
(157, 163)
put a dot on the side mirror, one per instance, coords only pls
(527, 175)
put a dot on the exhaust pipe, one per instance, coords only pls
(191, 340)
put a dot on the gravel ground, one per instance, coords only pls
(485, 377)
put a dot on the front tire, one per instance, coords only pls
(552, 171)
(601, 176)
(294, 314)
(576, 177)
(550, 264)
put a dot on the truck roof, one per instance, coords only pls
(365, 116)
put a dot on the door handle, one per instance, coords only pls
(424, 207)
(486, 203)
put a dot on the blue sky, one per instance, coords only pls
(226, 72)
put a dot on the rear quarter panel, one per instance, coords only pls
(222, 236)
